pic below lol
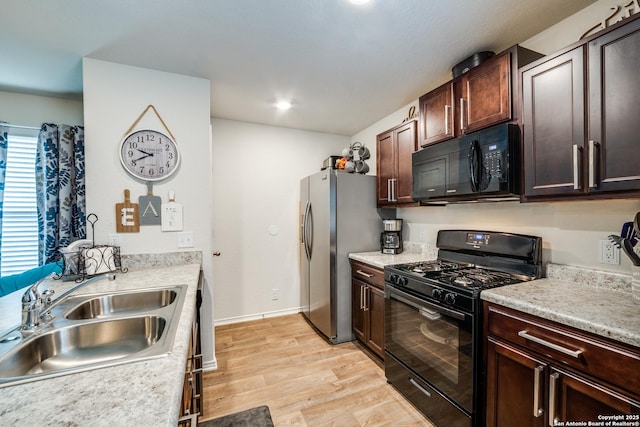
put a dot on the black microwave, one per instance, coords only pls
(479, 166)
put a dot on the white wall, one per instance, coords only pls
(256, 179)
(33, 110)
(114, 96)
(570, 230)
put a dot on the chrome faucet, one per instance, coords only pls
(36, 306)
(31, 307)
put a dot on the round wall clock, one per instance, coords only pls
(149, 155)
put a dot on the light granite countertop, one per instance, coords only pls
(144, 393)
(589, 300)
(413, 252)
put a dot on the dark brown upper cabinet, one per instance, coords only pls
(393, 163)
(479, 98)
(580, 118)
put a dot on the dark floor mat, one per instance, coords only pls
(254, 417)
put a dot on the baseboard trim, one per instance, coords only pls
(245, 318)
(211, 365)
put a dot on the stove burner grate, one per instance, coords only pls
(477, 278)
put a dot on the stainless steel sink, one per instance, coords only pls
(107, 305)
(84, 344)
(94, 331)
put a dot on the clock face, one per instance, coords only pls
(149, 155)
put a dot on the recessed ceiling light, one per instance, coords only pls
(283, 105)
(359, 2)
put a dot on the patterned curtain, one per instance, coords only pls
(4, 138)
(60, 188)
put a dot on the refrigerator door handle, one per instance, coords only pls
(310, 232)
(305, 227)
(303, 221)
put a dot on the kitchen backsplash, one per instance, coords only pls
(568, 273)
(429, 251)
(589, 277)
(139, 261)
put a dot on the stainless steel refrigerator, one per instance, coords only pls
(338, 216)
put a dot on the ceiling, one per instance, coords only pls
(343, 67)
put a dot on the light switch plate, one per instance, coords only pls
(185, 239)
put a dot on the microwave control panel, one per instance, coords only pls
(493, 161)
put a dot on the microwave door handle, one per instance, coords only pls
(474, 165)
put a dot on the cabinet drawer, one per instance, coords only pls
(368, 274)
(601, 358)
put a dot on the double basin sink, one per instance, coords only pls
(92, 331)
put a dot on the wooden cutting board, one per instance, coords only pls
(150, 207)
(127, 216)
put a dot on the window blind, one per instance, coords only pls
(19, 244)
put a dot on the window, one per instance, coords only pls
(19, 243)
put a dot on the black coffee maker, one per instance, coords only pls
(391, 237)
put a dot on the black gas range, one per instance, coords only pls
(433, 319)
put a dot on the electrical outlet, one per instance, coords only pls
(609, 253)
(274, 295)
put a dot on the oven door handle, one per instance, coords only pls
(420, 304)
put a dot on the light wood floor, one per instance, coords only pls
(283, 363)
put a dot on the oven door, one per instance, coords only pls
(433, 341)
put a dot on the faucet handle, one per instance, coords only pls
(45, 303)
(46, 297)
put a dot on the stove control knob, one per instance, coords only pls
(437, 294)
(393, 278)
(450, 298)
(403, 281)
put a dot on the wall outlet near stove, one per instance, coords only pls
(609, 253)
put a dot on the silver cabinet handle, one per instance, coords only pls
(462, 126)
(367, 295)
(395, 189)
(553, 389)
(568, 352)
(362, 273)
(592, 163)
(447, 125)
(389, 193)
(419, 387)
(577, 154)
(392, 191)
(361, 297)
(537, 378)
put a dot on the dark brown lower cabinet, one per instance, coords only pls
(511, 379)
(367, 312)
(525, 391)
(539, 373)
(191, 404)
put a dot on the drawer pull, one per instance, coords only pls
(362, 273)
(568, 352)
